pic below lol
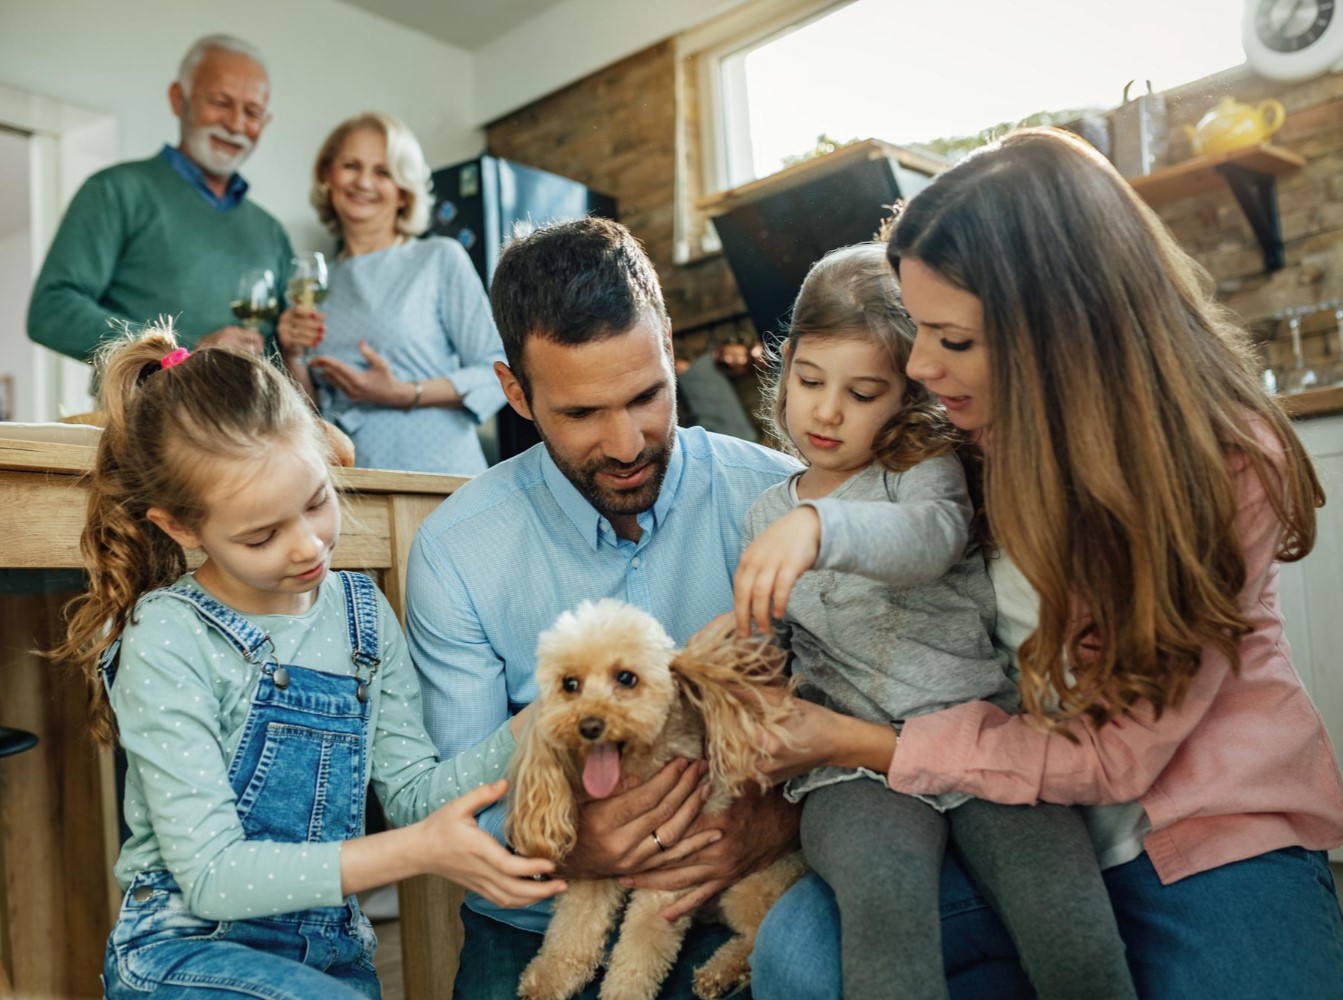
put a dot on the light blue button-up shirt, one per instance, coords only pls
(495, 565)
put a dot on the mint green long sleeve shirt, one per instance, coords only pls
(181, 697)
(138, 242)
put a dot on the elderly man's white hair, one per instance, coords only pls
(186, 72)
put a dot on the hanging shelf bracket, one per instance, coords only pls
(1257, 193)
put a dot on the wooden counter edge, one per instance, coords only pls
(76, 459)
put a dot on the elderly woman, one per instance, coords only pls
(406, 339)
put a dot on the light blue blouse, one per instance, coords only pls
(422, 307)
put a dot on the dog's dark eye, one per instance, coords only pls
(570, 684)
(627, 678)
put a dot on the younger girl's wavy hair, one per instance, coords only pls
(853, 292)
(166, 428)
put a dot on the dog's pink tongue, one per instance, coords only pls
(601, 773)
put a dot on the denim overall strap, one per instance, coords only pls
(241, 634)
(361, 618)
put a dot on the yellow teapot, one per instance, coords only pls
(1232, 125)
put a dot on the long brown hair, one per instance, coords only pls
(165, 428)
(853, 292)
(1121, 396)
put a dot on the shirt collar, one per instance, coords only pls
(187, 168)
(592, 526)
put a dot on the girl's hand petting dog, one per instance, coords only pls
(771, 565)
(615, 834)
(461, 851)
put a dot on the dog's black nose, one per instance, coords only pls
(591, 727)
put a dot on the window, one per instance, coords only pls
(782, 77)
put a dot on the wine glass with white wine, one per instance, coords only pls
(307, 284)
(255, 302)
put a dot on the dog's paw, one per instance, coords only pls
(713, 983)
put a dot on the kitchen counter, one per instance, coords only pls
(58, 811)
(1314, 402)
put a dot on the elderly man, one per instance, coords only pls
(173, 234)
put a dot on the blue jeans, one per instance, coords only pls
(160, 947)
(1268, 926)
(494, 954)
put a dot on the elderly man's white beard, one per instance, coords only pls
(196, 140)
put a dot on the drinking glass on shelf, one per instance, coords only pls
(256, 302)
(1300, 376)
(1333, 371)
(307, 284)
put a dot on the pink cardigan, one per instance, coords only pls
(1242, 767)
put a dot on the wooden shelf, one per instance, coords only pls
(1251, 174)
(721, 202)
(1201, 173)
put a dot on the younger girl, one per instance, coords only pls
(889, 642)
(255, 697)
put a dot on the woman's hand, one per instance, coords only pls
(771, 565)
(299, 329)
(374, 384)
(457, 849)
(818, 737)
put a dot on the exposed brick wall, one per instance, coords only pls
(1213, 229)
(616, 131)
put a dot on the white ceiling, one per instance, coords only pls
(468, 24)
(14, 208)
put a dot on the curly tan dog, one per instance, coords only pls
(617, 698)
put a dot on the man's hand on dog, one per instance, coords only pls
(757, 829)
(615, 834)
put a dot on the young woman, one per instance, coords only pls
(1139, 489)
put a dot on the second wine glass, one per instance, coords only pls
(307, 284)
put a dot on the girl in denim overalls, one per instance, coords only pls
(255, 697)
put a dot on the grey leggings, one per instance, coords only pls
(881, 853)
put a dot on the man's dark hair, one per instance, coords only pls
(572, 283)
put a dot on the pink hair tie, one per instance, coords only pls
(175, 357)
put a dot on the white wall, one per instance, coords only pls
(15, 348)
(572, 40)
(327, 60)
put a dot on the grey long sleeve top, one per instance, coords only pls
(888, 632)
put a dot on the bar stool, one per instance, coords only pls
(14, 741)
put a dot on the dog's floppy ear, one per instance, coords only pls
(725, 679)
(542, 819)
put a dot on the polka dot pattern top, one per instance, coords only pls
(181, 697)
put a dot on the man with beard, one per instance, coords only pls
(615, 502)
(171, 235)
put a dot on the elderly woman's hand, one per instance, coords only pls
(374, 384)
(299, 329)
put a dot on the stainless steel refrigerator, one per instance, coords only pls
(478, 203)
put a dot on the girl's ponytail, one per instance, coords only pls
(167, 427)
(124, 554)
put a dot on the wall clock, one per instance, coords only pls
(1293, 39)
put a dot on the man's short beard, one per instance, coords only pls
(196, 142)
(614, 502)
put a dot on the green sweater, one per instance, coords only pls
(139, 242)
